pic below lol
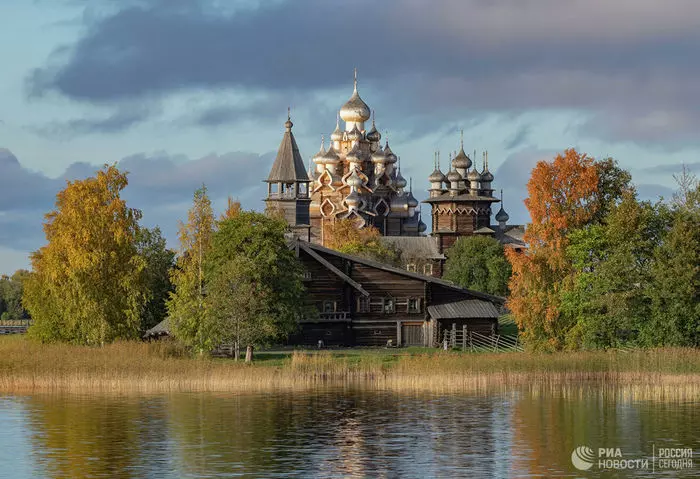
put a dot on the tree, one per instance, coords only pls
(612, 261)
(562, 198)
(11, 288)
(256, 282)
(344, 236)
(233, 209)
(151, 246)
(479, 263)
(186, 306)
(87, 283)
(613, 184)
(675, 287)
(237, 306)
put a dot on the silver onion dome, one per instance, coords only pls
(412, 201)
(331, 157)
(337, 134)
(422, 227)
(486, 176)
(318, 157)
(353, 200)
(454, 176)
(462, 160)
(387, 151)
(473, 175)
(502, 215)
(354, 179)
(354, 134)
(437, 176)
(373, 135)
(355, 109)
(379, 156)
(400, 181)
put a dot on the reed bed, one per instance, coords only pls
(163, 367)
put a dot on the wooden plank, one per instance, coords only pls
(335, 270)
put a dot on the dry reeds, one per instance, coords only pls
(162, 367)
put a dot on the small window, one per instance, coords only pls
(428, 269)
(411, 267)
(389, 306)
(363, 304)
(329, 306)
(414, 305)
(307, 276)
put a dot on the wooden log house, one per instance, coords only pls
(360, 302)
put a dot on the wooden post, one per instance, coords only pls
(454, 335)
(464, 337)
(249, 354)
(495, 346)
(398, 334)
(471, 343)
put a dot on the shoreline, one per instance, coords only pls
(26, 366)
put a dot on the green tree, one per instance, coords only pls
(11, 289)
(613, 261)
(87, 283)
(479, 263)
(675, 286)
(186, 308)
(159, 260)
(250, 250)
(613, 184)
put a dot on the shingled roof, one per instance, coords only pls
(288, 166)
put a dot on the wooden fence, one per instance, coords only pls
(18, 326)
(472, 341)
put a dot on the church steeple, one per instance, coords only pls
(288, 185)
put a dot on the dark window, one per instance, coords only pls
(414, 305)
(329, 306)
(389, 306)
(428, 269)
(363, 304)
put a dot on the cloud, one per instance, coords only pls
(628, 57)
(161, 185)
(119, 120)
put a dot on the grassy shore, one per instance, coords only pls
(157, 367)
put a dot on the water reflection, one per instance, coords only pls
(332, 433)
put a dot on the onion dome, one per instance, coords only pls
(355, 109)
(461, 160)
(437, 176)
(486, 175)
(353, 200)
(453, 176)
(399, 203)
(318, 157)
(354, 134)
(373, 135)
(422, 227)
(412, 201)
(354, 155)
(387, 151)
(331, 157)
(354, 179)
(473, 175)
(337, 134)
(379, 156)
(502, 216)
(400, 181)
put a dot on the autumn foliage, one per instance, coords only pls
(562, 197)
(345, 236)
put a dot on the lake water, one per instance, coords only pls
(342, 433)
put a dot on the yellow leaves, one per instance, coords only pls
(89, 273)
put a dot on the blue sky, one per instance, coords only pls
(185, 92)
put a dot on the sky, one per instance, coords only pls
(181, 93)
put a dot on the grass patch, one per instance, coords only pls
(165, 367)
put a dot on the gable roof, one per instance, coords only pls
(401, 272)
(415, 247)
(288, 166)
(469, 308)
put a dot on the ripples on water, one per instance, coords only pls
(334, 433)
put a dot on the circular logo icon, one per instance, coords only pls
(583, 458)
